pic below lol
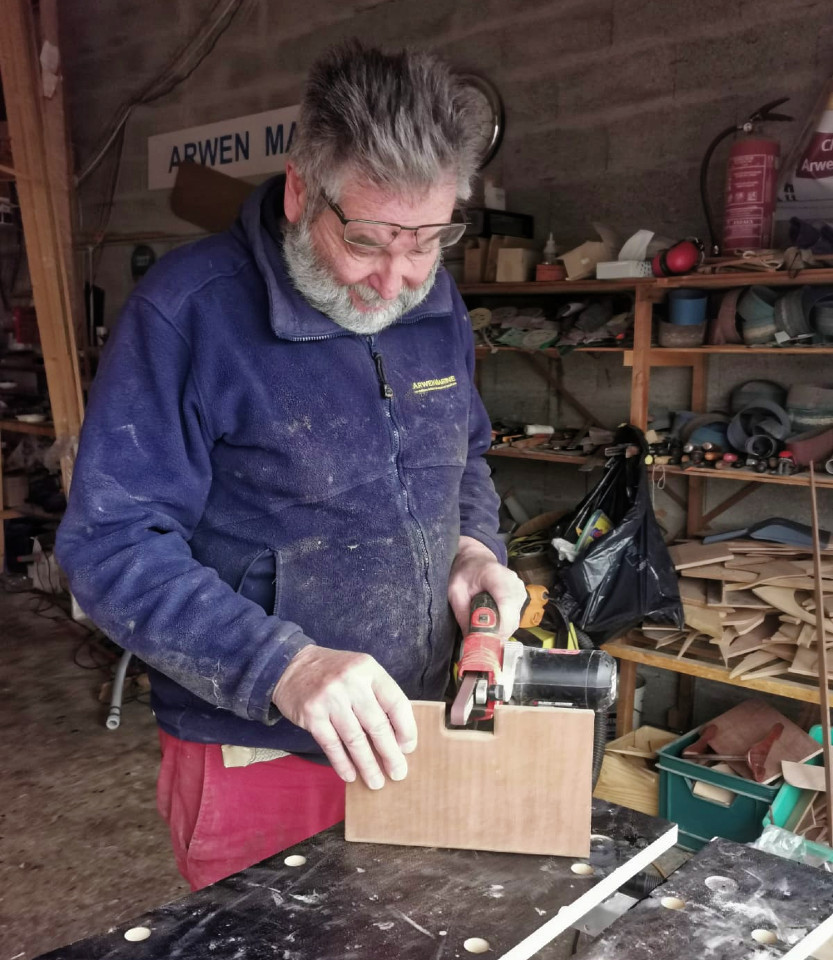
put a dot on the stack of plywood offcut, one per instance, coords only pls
(754, 601)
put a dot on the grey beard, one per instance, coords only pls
(314, 280)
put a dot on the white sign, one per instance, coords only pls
(241, 147)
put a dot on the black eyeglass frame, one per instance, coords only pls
(397, 226)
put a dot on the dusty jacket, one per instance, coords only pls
(245, 486)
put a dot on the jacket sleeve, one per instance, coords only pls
(479, 503)
(139, 488)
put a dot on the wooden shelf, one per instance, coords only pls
(37, 429)
(532, 454)
(28, 510)
(801, 480)
(483, 351)
(632, 651)
(706, 281)
(565, 287)
(660, 354)
(708, 473)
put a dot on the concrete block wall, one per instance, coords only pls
(610, 105)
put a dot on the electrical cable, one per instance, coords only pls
(198, 46)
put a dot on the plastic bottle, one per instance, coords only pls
(549, 251)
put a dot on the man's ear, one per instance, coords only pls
(294, 194)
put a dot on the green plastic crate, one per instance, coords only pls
(699, 818)
(788, 796)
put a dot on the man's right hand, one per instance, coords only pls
(352, 707)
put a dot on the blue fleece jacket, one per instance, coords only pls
(253, 478)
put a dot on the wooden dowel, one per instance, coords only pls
(824, 696)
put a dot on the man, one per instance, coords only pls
(280, 502)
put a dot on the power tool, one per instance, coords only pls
(491, 671)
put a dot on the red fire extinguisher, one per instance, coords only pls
(751, 184)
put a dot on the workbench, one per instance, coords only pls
(326, 899)
(729, 901)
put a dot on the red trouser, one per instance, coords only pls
(224, 820)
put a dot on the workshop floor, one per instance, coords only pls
(81, 844)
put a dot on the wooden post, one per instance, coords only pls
(643, 308)
(45, 248)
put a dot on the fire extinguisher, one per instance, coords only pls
(751, 184)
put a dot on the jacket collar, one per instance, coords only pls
(291, 316)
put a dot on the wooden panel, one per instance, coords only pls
(687, 555)
(748, 723)
(523, 789)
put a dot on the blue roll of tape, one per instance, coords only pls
(687, 307)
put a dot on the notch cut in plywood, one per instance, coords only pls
(472, 790)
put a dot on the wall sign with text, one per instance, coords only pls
(241, 147)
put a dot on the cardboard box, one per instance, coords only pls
(474, 263)
(15, 489)
(516, 265)
(498, 243)
(580, 262)
(627, 776)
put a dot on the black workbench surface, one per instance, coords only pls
(354, 900)
(718, 899)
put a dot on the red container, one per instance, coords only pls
(751, 176)
(25, 326)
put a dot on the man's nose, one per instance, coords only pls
(390, 276)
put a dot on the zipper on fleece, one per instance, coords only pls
(387, 389)
(387, 394)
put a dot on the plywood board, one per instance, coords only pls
(743, 600)
(686, 555)
(747, 724)
(475, 790)
(753, 639)
(693, 591)
(805, 776)
(716, 571)
(703, 621)
(785, 600)
(751, 662)
(806, 663)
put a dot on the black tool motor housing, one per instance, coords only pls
(585, 679)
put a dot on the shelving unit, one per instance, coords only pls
(642, 357)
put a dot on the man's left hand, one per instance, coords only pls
(476, 568)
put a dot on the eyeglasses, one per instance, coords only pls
(378, 234)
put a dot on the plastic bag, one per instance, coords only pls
(626, 576)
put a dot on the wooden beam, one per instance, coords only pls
(45, 248)
(562, 391)
(641, 369)
(824, 695)
(724, 505)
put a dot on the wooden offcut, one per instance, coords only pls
(526, 788)
(687, 555)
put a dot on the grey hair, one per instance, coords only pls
(401, 121)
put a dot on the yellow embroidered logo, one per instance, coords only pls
(426, 386)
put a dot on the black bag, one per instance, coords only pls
(626, 576)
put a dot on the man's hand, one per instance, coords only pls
(476, 568)
(342, 699)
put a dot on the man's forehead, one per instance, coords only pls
(368, 201)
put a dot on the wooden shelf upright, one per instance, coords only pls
(42, 170)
